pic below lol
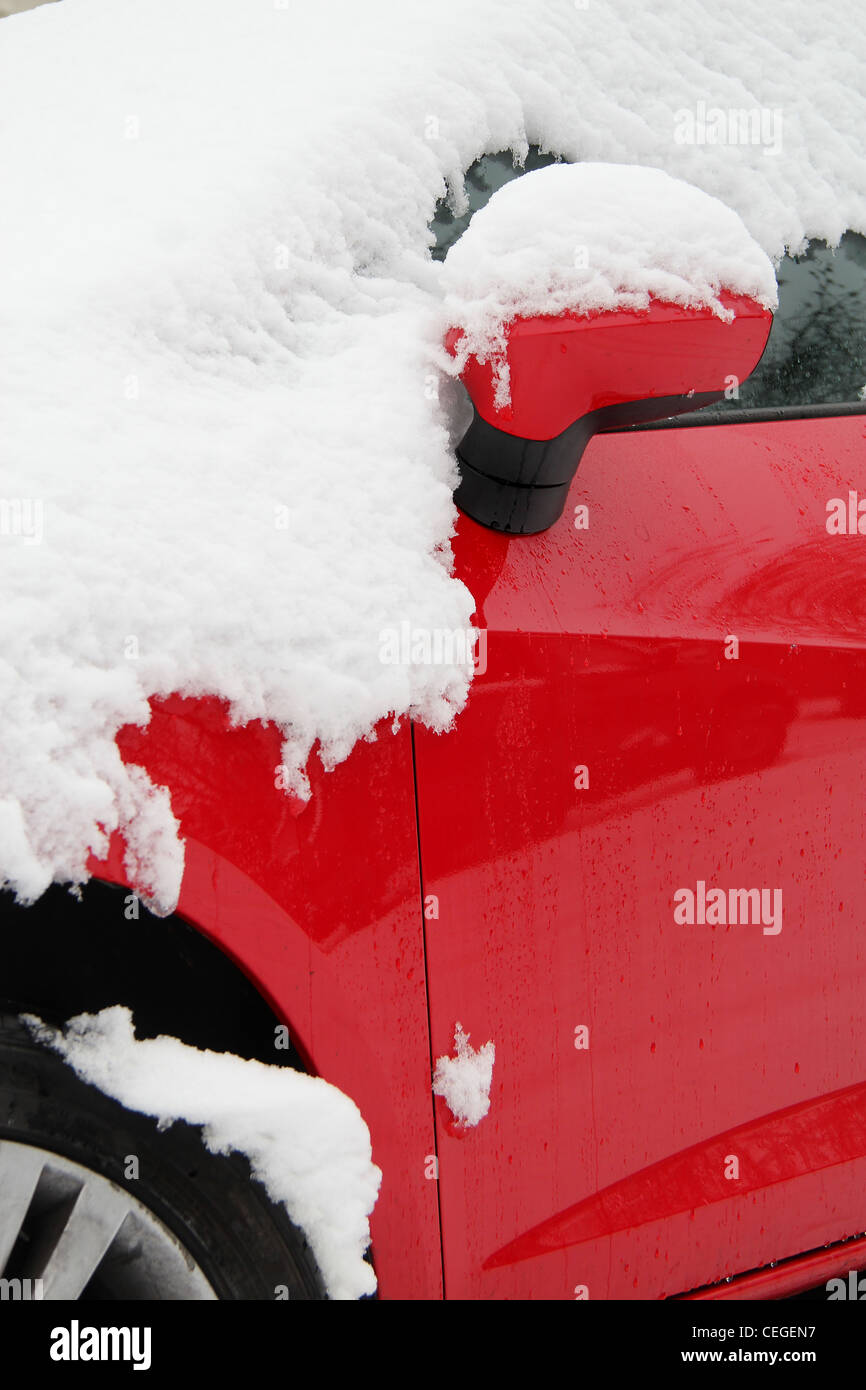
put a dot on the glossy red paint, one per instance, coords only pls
(563, 367)
(804, 1138)
(606, 648)
(321, 910)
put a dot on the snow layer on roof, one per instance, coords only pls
(591, 237)
(306, 1141)
(225, 467)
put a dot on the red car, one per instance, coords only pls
(635, 866)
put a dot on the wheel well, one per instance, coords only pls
(69, 954)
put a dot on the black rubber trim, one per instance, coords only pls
(758, 415)
(520, 486)
(513, 508)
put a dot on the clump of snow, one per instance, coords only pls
(305, 1140)
(594, 237)
(463, 1081)
(224, 468)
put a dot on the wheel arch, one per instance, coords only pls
(71, 953)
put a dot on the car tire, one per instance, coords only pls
(192, 1224)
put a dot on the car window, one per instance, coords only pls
(482, 179)
(816, 354)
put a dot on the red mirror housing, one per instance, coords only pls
(574, 376)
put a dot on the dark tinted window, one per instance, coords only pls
(483, 178)
(816, 353)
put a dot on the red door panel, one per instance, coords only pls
(609, 1166)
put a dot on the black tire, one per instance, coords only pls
(247, 1247)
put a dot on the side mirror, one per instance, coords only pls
(580, 371)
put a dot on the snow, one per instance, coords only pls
(591, 237)
(305, 1140)
(221, 329)
(463, 1081)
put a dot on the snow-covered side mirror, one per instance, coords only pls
(585, 298)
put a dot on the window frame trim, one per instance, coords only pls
(756, 415)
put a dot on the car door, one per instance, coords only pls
(641, 851)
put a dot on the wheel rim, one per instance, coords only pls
(67, 1232)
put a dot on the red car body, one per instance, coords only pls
(470, 877)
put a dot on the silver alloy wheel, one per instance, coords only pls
(62, 1226)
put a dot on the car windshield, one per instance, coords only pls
(482, 180)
